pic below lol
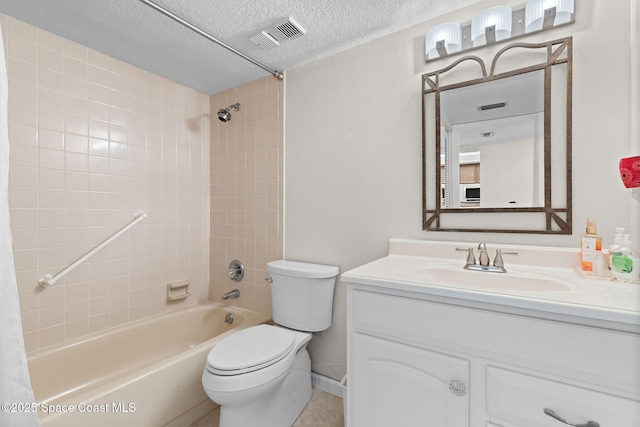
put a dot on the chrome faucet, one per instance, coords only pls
(231, 294)
(483, 259)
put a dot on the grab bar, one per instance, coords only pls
(48, 279)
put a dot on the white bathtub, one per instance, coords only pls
(147, 373)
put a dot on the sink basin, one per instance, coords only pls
(456, 276)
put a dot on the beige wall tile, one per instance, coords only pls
(246, 190)
(93, 140)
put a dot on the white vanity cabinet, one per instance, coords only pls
(417, 359)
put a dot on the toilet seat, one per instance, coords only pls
(250, 350)
(267, 372)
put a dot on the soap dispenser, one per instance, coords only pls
(617, 244)
(625, 263)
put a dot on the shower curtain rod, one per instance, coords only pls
(277, 74)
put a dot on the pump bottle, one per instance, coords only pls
(590, 245)
(615, 248)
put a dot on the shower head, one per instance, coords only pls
(224, 115)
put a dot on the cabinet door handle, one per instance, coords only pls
(457, 387)
(559, 418)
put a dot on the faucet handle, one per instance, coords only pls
(471, 259)
(498, 261)
(235, 271)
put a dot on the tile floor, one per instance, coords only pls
(323, 410)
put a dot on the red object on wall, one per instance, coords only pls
(630, 171)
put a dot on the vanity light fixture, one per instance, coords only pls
(443, 40)
(491, 25)
(543, 14)
(497, 24)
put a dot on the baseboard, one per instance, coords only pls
(193, 414)
(327, 384)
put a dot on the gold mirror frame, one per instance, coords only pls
(551, 219)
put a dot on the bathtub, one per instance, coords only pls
(147, 373)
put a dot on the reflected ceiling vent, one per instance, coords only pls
(281, 32)
(492, 106)
(264, 40)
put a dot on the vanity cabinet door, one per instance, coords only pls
(399, 385)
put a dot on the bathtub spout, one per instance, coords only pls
(232, 294)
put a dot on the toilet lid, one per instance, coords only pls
(250, 349)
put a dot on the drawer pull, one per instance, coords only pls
(457, 387)
(559, 418)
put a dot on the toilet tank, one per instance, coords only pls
(302, 294)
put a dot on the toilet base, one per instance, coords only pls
(280, 408)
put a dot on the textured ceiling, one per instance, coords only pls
(135, 33)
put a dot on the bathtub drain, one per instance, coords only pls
(228, 318)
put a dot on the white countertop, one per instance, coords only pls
(590, 299)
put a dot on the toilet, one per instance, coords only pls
(261, 376)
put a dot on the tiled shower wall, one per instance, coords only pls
(247, 189)
(93, 140)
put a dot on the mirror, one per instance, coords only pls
(500, 144)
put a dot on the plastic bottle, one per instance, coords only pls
(624, 263)
(616, 246)
(590, 244)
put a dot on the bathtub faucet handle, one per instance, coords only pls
(235, 271)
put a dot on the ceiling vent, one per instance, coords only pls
(289, 29)
(264, 40)
(281, 32)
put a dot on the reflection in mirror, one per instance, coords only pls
(501, 145)
(492, 137)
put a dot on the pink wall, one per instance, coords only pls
(93, 140)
